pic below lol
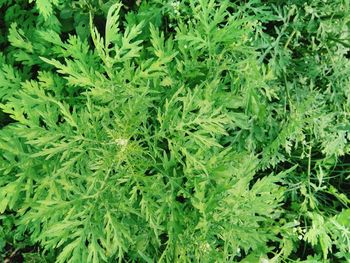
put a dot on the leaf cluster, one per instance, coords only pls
(186, 131)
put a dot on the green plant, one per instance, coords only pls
(188, 131)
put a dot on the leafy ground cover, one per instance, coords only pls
(174, 131)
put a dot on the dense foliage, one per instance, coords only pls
(174, 131)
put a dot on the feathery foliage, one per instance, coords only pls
(162, 131)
